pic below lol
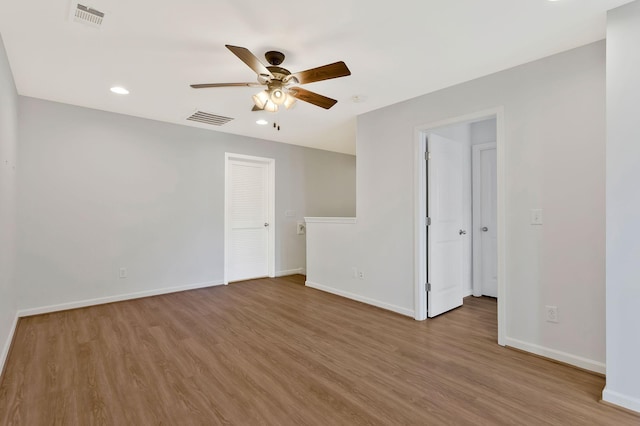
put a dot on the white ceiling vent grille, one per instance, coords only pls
(86, 15)
(207, 118)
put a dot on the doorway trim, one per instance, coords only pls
(271, 167)
(420, 229)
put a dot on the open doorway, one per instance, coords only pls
(459, 221)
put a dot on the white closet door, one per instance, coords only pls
(248, 222)
(485, 220)
(489, 221)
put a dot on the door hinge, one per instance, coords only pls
(427, 155)
(427, 287)
(428, 221)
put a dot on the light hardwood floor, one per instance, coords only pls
(271, 351)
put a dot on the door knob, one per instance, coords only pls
(485, 229)
(266, 224)
(462, 232)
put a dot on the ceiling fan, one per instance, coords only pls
(280, 83)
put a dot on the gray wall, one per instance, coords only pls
(8, 146)
(554, 137)
(623, 207)
(554, 118)
(100, 191)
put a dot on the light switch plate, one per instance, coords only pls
(536, 216)
(301, 228)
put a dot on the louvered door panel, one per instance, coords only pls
(249, 212)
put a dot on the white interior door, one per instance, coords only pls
(485, 220)
(248, 218)
(447, 239)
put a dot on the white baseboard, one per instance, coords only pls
(7, 344)
(621, 400)
(111, 299)
(286, 272)
(368, 301)
(587, 364)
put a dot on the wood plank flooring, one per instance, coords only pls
(272, 351)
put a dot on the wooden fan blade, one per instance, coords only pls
(204, 86)
(255, 108)
(312, 98)
(250, 59)
(326, 72)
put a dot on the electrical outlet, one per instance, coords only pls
(536, 216)
(122, 273)
(361, 275)
(551, 313)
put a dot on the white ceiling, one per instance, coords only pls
(396, 50)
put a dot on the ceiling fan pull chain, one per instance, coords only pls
(276, 122)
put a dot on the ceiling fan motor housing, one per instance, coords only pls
(274, 58)
(278, 72)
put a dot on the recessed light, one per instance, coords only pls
(119, 90)
(262, 122)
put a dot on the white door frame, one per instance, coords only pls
(477, 246)
(420, 230)
(271, 166)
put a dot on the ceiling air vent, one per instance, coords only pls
(86, 15)
(206, 118)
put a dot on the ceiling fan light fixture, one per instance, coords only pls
(289, 101)
(278, 96)
(271, 107)
(261, 99)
